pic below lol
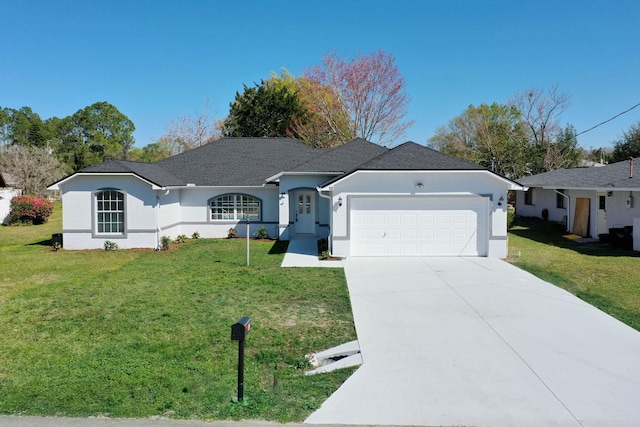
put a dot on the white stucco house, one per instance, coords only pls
(8, 190)
(366, 199)
(590, 201)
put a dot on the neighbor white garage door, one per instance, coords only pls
(429, 226)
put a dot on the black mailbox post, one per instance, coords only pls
(239, 332)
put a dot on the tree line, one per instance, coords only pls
(328, 105)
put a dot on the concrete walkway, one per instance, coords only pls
(303, 252)
(476, 341)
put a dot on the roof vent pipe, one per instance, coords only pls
(630, 167)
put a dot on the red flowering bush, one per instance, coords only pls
(30, 209)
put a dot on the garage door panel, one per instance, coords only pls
(419, 226)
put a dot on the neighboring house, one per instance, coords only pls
(366, 199)
(8, 191)
(589, 200)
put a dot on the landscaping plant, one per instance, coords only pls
(261, 233)
(30, 210)
(165, 243)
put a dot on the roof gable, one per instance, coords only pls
(148, 171)
(412, 156)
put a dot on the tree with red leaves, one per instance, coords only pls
(370, 94)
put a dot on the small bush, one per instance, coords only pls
(165, 243)
(182, 238)
(110, 246)
(324, 255)
(30, 210)
(261, 233)
(232, 233)
(511, 218)
(195, 235)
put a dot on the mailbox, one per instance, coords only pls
(240, 329)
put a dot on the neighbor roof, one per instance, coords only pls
(615, 175)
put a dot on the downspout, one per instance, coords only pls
(157, 209)
(330, 237)
(568, 207)
(166, 191)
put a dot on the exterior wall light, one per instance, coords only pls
(500, 201)
(340, 201)
(418, 185)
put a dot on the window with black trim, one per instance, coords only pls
(235, 207)
(110, 212)
(528, 197)
(561, 200)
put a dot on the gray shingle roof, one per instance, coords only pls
(237, 161)
(250, 161)
(412, 156)
(343, 158)
(149, 171)
(615, 175)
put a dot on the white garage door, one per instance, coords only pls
(425, 226)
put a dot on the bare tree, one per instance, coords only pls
(34, 168)
(541, 111)
(370, 95)
(188, 132)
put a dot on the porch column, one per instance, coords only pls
(283, 216)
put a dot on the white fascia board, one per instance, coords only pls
(188, 186)
(599, 189)
(277, 176)
(56, 185)
(512, 184)
(447, 194)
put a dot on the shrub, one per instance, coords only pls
(30, 209)
(195, 235)
(110, 246)
(165, 242)
(261, 233)
(182, 238)
(511, 218)
(232, 233)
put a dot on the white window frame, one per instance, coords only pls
(116, 207)
(234, 206)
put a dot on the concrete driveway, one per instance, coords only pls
(476, 341)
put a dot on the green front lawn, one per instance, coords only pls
(605, 277)
(141, 333)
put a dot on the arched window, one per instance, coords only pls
(110, 212)
(235, 207)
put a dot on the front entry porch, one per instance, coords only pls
(303, 252)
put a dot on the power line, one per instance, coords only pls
(608, 120)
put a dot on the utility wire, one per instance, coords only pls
(608, 120)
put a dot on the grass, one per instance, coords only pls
(606, 277)
(141, 333)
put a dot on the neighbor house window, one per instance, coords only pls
(528, 197)
(561, 200)
(235, 207)
(110, 212)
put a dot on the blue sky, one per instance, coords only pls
(158, 60)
